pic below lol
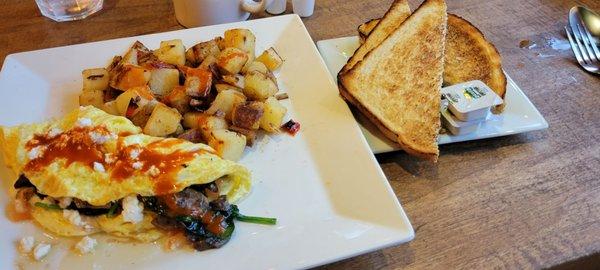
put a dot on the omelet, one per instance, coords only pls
(91, 162)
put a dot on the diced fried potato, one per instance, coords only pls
(225, 101)
(255, 66)
(171, 51)
(231, 60)
(228, 144)
(95, 79)
(198, 82)
(236, 80)
(196, 54)
(242, 39)
(130, 57)
(178, 99)
(248, 133)
(208, 62)
(192, 135)
(163, 80)
(223, 86)
(273, 115)
(259, 86)
(129, 76)
(203, 121)
(163, 121)
(92, 97)
(271, 59)
(142, 114)
(139, 96)
(247, 115)
(110, 108)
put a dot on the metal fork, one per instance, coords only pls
(585, 50)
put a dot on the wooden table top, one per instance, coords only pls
(523, 201)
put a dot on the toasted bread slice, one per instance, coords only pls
(366, 28)
(397, 84)
(469, 56)
(392, 19)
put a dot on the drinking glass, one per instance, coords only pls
(68, 10)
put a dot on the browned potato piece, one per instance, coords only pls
(273, 115)
(136, 55)
(129, 76)
(248, 133)
(271, 59)
(196, 54)
(225, 101)
(138, 96)
(204, 121)
(228, 144)
(259, 86)
(178, 99)
(163, 121)
(223, 86)
(255, 66)
(247, 115)
(198, 82)
(171, 51)
(242, 39)
(92, 97)
(231, 60)
(236, 80)
(162, 80)
(192, 135)
(208, 62)
(95, 79)
(110, 108)
(142, 114)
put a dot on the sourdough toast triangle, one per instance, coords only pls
(397, 84)
(392, 19)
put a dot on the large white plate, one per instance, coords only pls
(519, 115)
(324, 185)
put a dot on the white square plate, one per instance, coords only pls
(519, 115)
(324, 185)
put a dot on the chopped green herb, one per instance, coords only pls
(47, 206)
(112, 210)
(251, 219)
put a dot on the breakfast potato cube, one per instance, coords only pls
(163, 80)
(248, 133)
(130, 57)
(171, 51)
(255, 66)
(271, 59)
(236, 80)
(203, 121)
(273, 115)
(95, 79)
(247, 115)
(259, 86)
(141, 115)
(208, 62)
(163, 121)
(110, 108)
(198, 82)
(196, 54)
(220, 87)
(128, 76)
(92, 97)
(242, 39)
(178, 99)
(231, 60)
(132, 99)
(228, 144)
(225, 101)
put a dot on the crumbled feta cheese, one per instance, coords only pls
(64, 202)
(134, 154)
(99, 167)
(86, 245)
(26, 244)
(109, 158)
(99, 138)
(73, 217)
(54, 132)
(20, 206)
(132, 209)
(84, 122)
(137, 165)
(35, 152)
(41, 250)
(153, 171)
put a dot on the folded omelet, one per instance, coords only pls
(99, 159)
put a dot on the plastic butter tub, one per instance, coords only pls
(470, 101)
(457, 127)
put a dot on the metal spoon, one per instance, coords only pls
(589, 18)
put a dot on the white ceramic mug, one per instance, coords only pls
(193, 13)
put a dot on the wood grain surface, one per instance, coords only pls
(523, 201)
